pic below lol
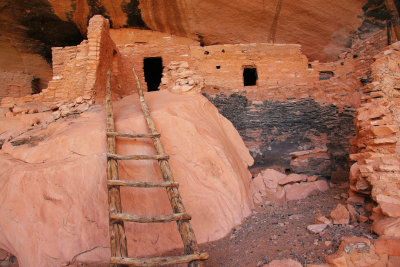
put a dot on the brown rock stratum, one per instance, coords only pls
(53, 193)
(321, 27)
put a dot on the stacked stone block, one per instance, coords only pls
(376, 171)
(180, 78)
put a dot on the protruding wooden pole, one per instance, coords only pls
(394, 17)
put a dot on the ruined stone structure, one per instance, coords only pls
(315, 121)
(244, 81)
(376, 169)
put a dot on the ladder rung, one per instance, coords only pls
(147, 135)
(159, 260)
(149, 219)
(136, 157)
(141, 184)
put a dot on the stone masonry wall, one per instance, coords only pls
(303, 127)
(78, 71)
(102, 55)
(376, 148)
(277, 65)
(132, 56)
(275, 130)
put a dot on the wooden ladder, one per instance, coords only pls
(119, 251)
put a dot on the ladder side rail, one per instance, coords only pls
(184, 227)
(117, 231)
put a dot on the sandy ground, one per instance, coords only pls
(278, 231)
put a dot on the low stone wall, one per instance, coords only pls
(376, 148)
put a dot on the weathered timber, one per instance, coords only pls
(159, 260)
(394, 17)
(117, 231)
(116, 134)
(149, 219)
(136, 157)
(142, 184)
(184, 227)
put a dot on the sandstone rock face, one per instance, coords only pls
(323, 36)
(302, 190)
(321, 27)
(28, 30)
(54, 206)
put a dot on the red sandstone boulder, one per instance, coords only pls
(278, 186)
(53, 194)
(340, 215)
(318, 218)
(356, 252)
(283, 263)
(302, 190)
(267, 184)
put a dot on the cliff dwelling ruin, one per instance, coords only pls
(200, 133)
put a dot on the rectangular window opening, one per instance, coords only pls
(250, 76)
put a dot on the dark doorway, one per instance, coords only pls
(250, 76)
(153, 68)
